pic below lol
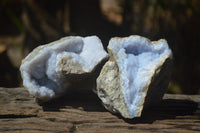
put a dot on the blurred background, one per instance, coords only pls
(26, 24)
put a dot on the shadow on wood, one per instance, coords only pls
(88, 101)
(167, 109)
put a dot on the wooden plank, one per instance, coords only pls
(82, 112)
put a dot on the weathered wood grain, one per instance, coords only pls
(82, 112)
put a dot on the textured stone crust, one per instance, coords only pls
(135, 76)
(51, 69)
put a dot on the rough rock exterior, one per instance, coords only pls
(49, 70)
(135, 76)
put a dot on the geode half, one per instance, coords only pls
(51, 69)
(135, 76)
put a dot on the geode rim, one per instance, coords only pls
(125, 79)
(48, 70)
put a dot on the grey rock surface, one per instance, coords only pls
(135, 76)
(52, 69)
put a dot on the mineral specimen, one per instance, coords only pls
(135, 76)
(49, 70)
